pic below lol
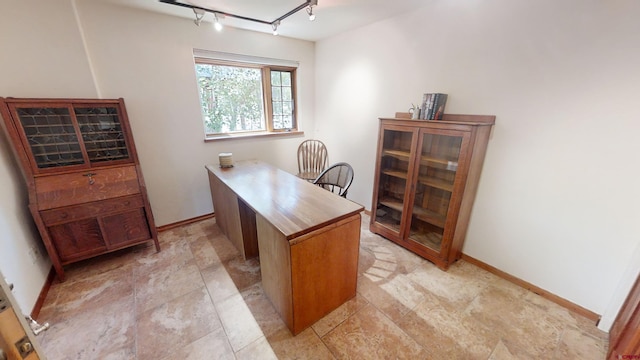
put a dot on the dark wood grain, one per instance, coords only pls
(84, 205)
(55, 191)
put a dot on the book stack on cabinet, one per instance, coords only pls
(433, 105)
(426, 177)
(87, 195)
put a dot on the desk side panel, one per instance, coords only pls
(227, 213)
(275, 268)
(324, 270)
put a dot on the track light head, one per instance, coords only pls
(275, 27)
(312, 16)
(217, 24)
(199, 13)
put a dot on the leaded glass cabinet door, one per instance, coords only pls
(102, 133)
(394, 173)
(51, 135)
(72, 136)
(434, 207)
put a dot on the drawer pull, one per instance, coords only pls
(64, 215)
(90, 176)
(127, 203)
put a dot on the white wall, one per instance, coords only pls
(557, 201)
(43, 60)
(146, 59)
(555, 205)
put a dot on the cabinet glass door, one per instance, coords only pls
(392, 185)
(102, 133)
(51, 136)
(438, 164)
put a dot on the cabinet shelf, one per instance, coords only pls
(439, 184)
(398, 154)
(450, 164)
(392, 203)
(423, 214)
(429, 216)
(396, 173)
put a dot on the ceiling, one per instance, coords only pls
(332, 16)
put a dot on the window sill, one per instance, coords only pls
(252, 135)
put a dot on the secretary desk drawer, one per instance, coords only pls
(94, 184)
(91, 210)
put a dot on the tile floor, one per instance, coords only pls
(197, 299)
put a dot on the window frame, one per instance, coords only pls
(267, 99)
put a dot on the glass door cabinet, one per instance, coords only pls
(426, 177)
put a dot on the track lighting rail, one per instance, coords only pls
(276, 22)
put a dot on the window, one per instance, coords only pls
(243, 98)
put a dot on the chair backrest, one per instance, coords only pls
(312, 157)
(336, 178)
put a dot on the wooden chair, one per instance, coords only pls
(312, 159)
(337, 178)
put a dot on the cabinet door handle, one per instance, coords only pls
(90, 176)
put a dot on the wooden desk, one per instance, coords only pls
(308, 238)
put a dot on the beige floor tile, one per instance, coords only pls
(305, 345)
(262, 310)
(520, 324)
(108, 331)
(575, 344)
(370, 334)
(116, 260)
(395, 295)
(565, 317)
(447, 333)
(184, 303)
(174, 253)
(219, 283)
(455, 285)
(88, 293)
(238, 321)
(501, 352)
(213, 346)
(164, 284)
(244, 273)
(172, 325)
(339, 315)
(204, 253)
(223, 247)
(259, 349)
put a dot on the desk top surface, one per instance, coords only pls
(294, 206)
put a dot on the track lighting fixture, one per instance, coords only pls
(217, 25)
(199, 15)
(200, 11)
(312, 16)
